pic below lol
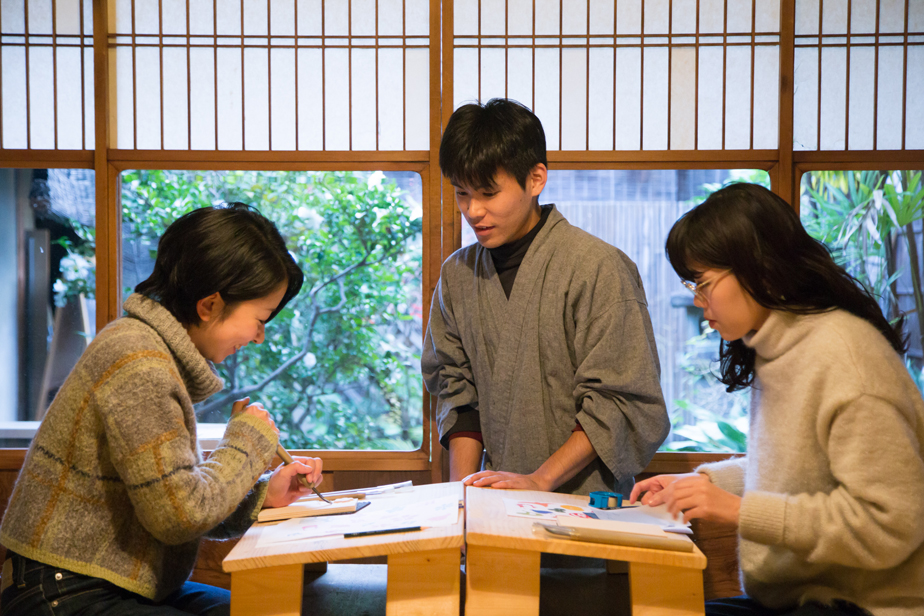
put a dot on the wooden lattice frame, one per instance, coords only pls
(442, 228)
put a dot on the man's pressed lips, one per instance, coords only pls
(482, 229)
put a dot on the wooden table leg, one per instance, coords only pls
(501, 582)
(423, 583)
(665, 591)
(268, 591)
(615, 567)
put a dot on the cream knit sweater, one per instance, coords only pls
(114, 485)
(833, 482)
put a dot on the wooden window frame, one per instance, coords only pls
(442, 220)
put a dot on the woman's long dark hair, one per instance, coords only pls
(749, 230)
(232, 250)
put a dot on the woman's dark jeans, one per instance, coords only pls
(37, 589)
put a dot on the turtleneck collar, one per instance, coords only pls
(512, 253)
(199, 375)
(779, 333)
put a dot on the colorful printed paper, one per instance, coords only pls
(542, 510)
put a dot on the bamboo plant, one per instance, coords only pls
(866, 218)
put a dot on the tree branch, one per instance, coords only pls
(246, 391)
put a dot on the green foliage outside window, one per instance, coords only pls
(869, 220)
(707, 418)
(78, 268)
(340, 366)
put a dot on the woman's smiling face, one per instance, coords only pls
(220, 335)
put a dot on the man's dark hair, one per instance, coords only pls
(480, 139)
(232, 250)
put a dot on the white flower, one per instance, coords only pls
(311, 218)
(375, 179)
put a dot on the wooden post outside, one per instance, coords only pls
(784, 186)
(106, 231)
(433, 227)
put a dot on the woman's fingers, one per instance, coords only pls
(239, 405)
(310, 468)
(698, 497)
(650, 485)
(256, 409)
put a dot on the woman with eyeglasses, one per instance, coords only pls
(829, 501)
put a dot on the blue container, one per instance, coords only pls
(605, 500)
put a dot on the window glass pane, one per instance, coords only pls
(861, 92)
(871, 222)
(47, 285)
(634, 210)
(340, 366)
(46, 75)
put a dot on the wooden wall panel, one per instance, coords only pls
(7, 481)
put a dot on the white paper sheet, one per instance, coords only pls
(381, 514)
(644, 514)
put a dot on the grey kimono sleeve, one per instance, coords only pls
(446, 368)
(618, 389)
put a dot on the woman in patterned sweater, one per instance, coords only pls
(114, 495)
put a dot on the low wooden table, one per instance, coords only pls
(502, 562)
(423, 566)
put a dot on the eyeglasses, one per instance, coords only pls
(701, 290)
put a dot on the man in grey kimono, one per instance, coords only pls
(539, 347)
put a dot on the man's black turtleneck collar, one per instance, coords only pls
(507, 258)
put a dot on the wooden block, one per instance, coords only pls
(307, 508)
(659, 590)
(501, 582)
(423, 584)
(270, 591)
(208, 563)
(719, 543)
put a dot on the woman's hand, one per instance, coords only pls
(696, 497)
(256, 409)
(652, 486)
(284, 487)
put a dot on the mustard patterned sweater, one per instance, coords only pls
(833, 482)
(114, 485)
